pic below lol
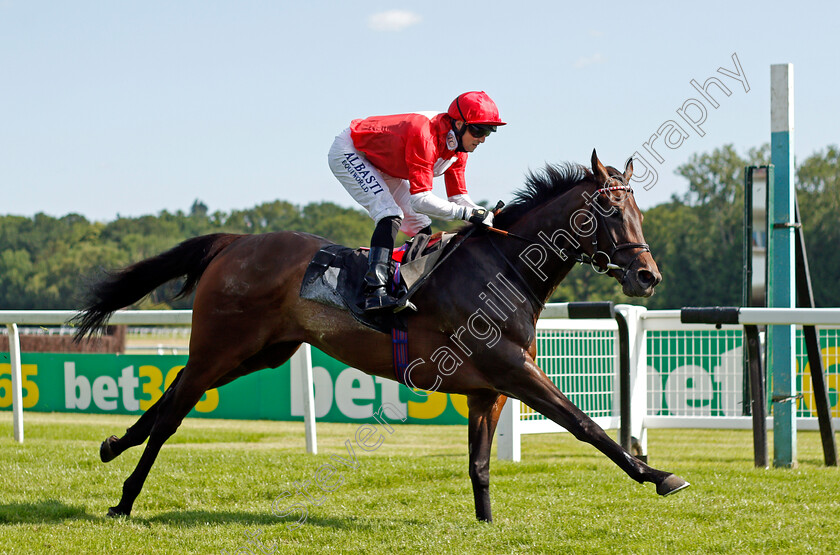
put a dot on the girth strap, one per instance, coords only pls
(399, 338)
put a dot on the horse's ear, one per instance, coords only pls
(628, 170)
(598, 168)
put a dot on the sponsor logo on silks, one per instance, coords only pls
(363, 176)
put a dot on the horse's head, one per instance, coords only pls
(617, 245)
(569, 213)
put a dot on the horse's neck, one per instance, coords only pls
(547, 258)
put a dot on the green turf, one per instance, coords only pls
(214, 484)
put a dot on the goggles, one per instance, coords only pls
(480, 130)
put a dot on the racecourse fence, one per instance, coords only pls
(681, 375)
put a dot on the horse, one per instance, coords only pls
(476, 315)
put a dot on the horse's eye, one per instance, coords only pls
(614, 211)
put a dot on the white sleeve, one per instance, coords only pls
(463, 200)
(427, 203)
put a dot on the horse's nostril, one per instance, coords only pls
(646, 278)
(657, 278)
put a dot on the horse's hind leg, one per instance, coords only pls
(483, 417)
(170, 413)
(532, 386)
(114, 446)
(195, 379)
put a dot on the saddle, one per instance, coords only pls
(334, 276)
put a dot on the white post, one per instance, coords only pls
(17, 384)
(509, 432)
(302, 364)
(638, 373)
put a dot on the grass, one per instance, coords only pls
(214, 484)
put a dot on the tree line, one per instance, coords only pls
(47, 262)
(696, 239)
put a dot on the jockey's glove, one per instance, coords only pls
(479, 216)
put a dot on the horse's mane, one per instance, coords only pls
(540, 187)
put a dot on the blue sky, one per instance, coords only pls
(131, 108)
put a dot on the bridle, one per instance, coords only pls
(606, 190)
(615, 183)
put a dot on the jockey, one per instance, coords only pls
(387, 163)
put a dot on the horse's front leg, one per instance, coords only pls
(485, 409)
(530, 385)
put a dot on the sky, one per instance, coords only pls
(130, 108)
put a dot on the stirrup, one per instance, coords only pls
(404, 303)
(379, 302)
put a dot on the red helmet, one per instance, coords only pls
(475, 107)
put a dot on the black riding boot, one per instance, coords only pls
(376, 281)
(375, 293)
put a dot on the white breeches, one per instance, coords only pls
(380, 194)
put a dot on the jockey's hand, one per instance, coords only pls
(481, 216)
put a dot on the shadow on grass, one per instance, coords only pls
(444, 455)
(205, 518)
(361, 523)
(48, 510)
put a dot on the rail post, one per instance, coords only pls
(633, 379)
(508, 431)
(781, 286)
(301, 363)
(758, 401)
(17, 392)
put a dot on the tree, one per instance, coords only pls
(818, 191)
(16, 279)
(198, 210)
(347, 226)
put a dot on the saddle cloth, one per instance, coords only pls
(335, 275)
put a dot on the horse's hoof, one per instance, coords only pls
(671, 484)
(106, 454)
(115, 512)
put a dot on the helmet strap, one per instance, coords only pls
(457, 135)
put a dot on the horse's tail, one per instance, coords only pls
(129, 285)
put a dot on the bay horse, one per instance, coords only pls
(479, 309)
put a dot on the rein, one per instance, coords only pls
(582, 258)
